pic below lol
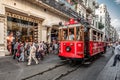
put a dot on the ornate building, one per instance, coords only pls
(39, 20)
(34, 20)
(104, 18)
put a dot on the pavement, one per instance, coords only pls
(12, 70)
(110, 72)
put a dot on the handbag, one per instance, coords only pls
(18, 54)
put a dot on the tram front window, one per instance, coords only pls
(68, 34)
(71, 36)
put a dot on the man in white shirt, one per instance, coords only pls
(32, 54)
(114, 45)
(117, 54)
(71, 36)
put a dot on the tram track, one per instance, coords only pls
(59, 77)
(73, 67)
(49, 69)
(66, 73)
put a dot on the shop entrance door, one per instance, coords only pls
(54, 34)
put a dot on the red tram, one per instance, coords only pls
(78, 42)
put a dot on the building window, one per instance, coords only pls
(93, 22)
(83, 16)
(80, 13)
(104, 11)
(100, 18)
(96, 25)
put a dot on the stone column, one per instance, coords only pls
(39, 32)
(49, 32)
(91, 34)
(5, 36)
(44, 33)
(2, 36)
(3, 30)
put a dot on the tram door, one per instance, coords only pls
(86, 41)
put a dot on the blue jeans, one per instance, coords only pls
(21, 57)
(117, 57)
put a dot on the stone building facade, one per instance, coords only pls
(104, 18)
(37, 15)
(39, 20)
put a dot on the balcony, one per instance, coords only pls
(61, 7)
(89, 9)
(66, 4)
(96, 4)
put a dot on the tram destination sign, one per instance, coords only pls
(72, 25)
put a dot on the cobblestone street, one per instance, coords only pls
(52, 68)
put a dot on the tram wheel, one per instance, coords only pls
(71, 61)
(82, 61)
(62, 58)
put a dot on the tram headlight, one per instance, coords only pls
(68, 49)
(64, 44)
(71, 44)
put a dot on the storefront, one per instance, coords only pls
(23, 27)
(22, 30)
(27, 20)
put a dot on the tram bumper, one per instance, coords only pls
(71, 56)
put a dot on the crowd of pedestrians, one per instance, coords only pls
(28, 51)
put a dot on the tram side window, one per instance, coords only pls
(99, 37)
(94, 36)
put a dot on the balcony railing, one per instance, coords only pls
(66, 4)
(66, 10)
(61, 7)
